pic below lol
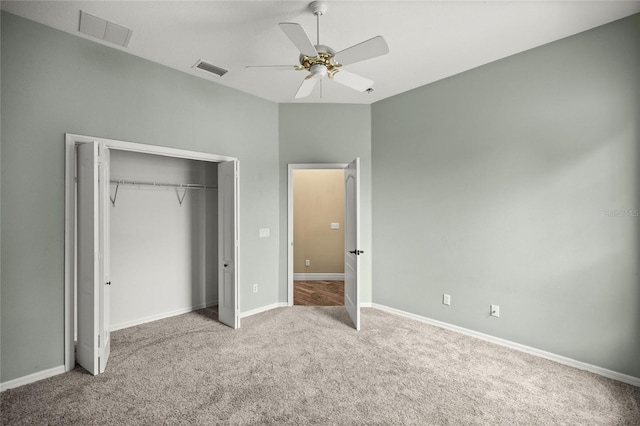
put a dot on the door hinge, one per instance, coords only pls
(98, 341)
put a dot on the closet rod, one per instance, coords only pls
(164, 185)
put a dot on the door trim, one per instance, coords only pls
(292, 167)
(71, 140)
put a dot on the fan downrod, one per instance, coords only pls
(324, 60)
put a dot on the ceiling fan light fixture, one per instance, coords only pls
(318, 70)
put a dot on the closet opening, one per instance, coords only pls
(152, 232)
(163, 230)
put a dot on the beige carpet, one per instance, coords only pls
(305, 365)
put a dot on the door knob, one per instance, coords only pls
(356, 252)
(108, 283)
(226, 264)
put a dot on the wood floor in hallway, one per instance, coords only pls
(318, 293)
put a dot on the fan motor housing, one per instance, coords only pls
(325, 57)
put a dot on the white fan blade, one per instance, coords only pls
(365, 50)
(299, 38)
(352, 80)
(306, 87)
(278, 67)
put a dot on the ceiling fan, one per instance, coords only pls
(322, 61)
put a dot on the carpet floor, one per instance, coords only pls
(306, 365)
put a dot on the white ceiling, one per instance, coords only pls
(428, 40)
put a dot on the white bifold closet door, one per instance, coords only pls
(94, 342)
(93, 274)
(228, 309)
(352, 250)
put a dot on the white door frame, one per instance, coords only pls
(292, 167)
(71, 140)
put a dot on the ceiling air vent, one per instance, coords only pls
(104, 30)
(210, 68)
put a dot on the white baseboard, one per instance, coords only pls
(25, 380)
(610, 374)
(151, 318)
(328, 276)
(263, 309)
(366, 305)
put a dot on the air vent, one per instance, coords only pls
(104, 30)
(210, 68)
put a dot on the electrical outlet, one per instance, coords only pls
(495, 311)
(307, 262)
(446, 299)
(255, 288)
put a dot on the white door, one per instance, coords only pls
(352, 241)
(94, 342)
(228, 305)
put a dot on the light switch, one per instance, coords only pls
(335, 225)
(264, 232)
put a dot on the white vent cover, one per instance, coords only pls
(104, 30)
(210, 68)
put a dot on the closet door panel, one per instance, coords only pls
(88, 257)
(93, 257)
(228, 306)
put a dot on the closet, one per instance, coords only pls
(163, 231)
(151, 232)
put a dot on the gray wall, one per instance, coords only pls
(317, 133)
(54, 83)
(496, 186)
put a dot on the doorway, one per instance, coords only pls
(81, 222)
(318, 234)
(349, 175)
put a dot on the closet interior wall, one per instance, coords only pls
(164, 248)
